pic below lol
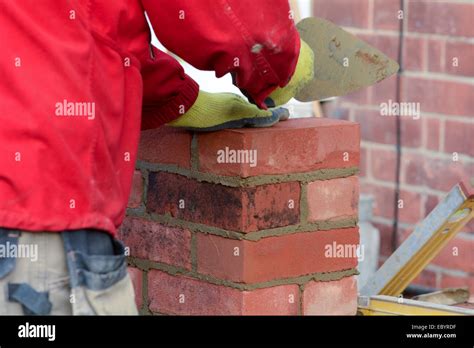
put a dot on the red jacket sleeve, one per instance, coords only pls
(255, 40)
(167, 91)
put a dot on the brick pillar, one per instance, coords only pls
(273, 234)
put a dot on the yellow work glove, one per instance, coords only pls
(215, 111)
(304, 73)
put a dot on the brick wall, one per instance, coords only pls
(215, 238)
(437, 148)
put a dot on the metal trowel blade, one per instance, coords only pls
(342, 62)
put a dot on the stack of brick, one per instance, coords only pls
(246, 222)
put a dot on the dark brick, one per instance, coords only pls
(238, 209)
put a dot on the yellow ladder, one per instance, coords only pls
(378, 296)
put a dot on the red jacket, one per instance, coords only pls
(78, 79)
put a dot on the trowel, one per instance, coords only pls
(342, 62)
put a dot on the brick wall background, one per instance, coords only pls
(213, 238)
(438, 72)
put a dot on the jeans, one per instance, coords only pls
(80, 272)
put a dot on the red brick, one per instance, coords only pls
(458, 254)
(414, 57)
(169, 294)
(384, 91)
(453, 173)
(331, 298)
(137, 279)
(442, 97)
(422, 170)
(448, 281)
(333, 199)
(335, 111)
(200, 298)
(411, 132)
(166, 145)
(347, 13)
(432, 128)
(412, 207)
(383, 164)
(382, 129)
(277, 300)
(280, 149)
(271, 258)
(360, 97)
(136, 196)
(386, 235)
(388, 44)
(386, 14)
(413, 169)
(426, 278)
(404, 233)
(431, 203)
(436, 55)
(363, 162)
(150, 240)
(469, 228)
(386, 232)
(464, 52)
(453, 19)
(459, 137)
(222, 257)
(385, 200)
(382, 259)
(239, 209)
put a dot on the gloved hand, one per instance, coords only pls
(215, 111)
(304, 73)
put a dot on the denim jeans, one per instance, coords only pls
(81, 272)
